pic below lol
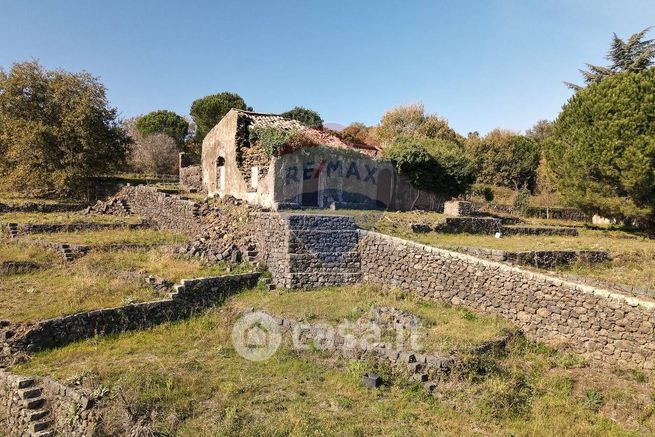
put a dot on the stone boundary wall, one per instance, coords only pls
(47, 228)
(603, 326)
(192, 295)
(165, 211)
(489, 226)
(44, 406)
(559, 213)
(544, 259)
(538, 230)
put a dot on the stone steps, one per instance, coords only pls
(35, 413)
(12, 230)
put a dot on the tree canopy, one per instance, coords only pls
(164, 122)
(56, 130)
(504, 158)
(208, 111)
(602, 151)
(305, 116)
(433, 165)
(635, 54)
(412, 121)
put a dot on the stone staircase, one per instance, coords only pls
(12, 230)
(125, 207)
(268, 284)
(67, 253)
(35, 415)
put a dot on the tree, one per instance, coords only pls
(412, 121)
(356, 133)
(306, 116)
(56, 131)
(164, 122)
(504, 158)
(633, 55)
(208, 111)
(541, 130)
(433, 165)
(602, 152)
(155, 154)
(545, 187)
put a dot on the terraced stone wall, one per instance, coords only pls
(603, 326)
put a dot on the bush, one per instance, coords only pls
(208, 111)
(164, 122)
(277, 141)
(602, 151)
(521, 201)
(484, 191)
(305, 116)
(433, 165)
(56, 131)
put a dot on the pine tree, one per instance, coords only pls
(635, 54)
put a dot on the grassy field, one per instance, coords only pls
(446, 329)
(144, 236)
(186, 379)
(99, 279)
(64, 218)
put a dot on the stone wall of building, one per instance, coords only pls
(602, 326)
(192, 295)
(305, 251)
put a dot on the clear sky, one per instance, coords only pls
(481, 64)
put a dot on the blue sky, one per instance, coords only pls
(481, 64)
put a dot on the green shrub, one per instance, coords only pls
(433, 165)
(521, 201)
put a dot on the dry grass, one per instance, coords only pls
(63, 218)
(447, 329)
(187, 380)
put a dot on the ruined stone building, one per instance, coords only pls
(327, 172)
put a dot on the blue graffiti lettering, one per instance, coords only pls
(370, 174)
(353, 171)
(292, 174)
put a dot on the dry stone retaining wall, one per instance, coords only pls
(192, 295)
(601, 325)
(544, 259)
